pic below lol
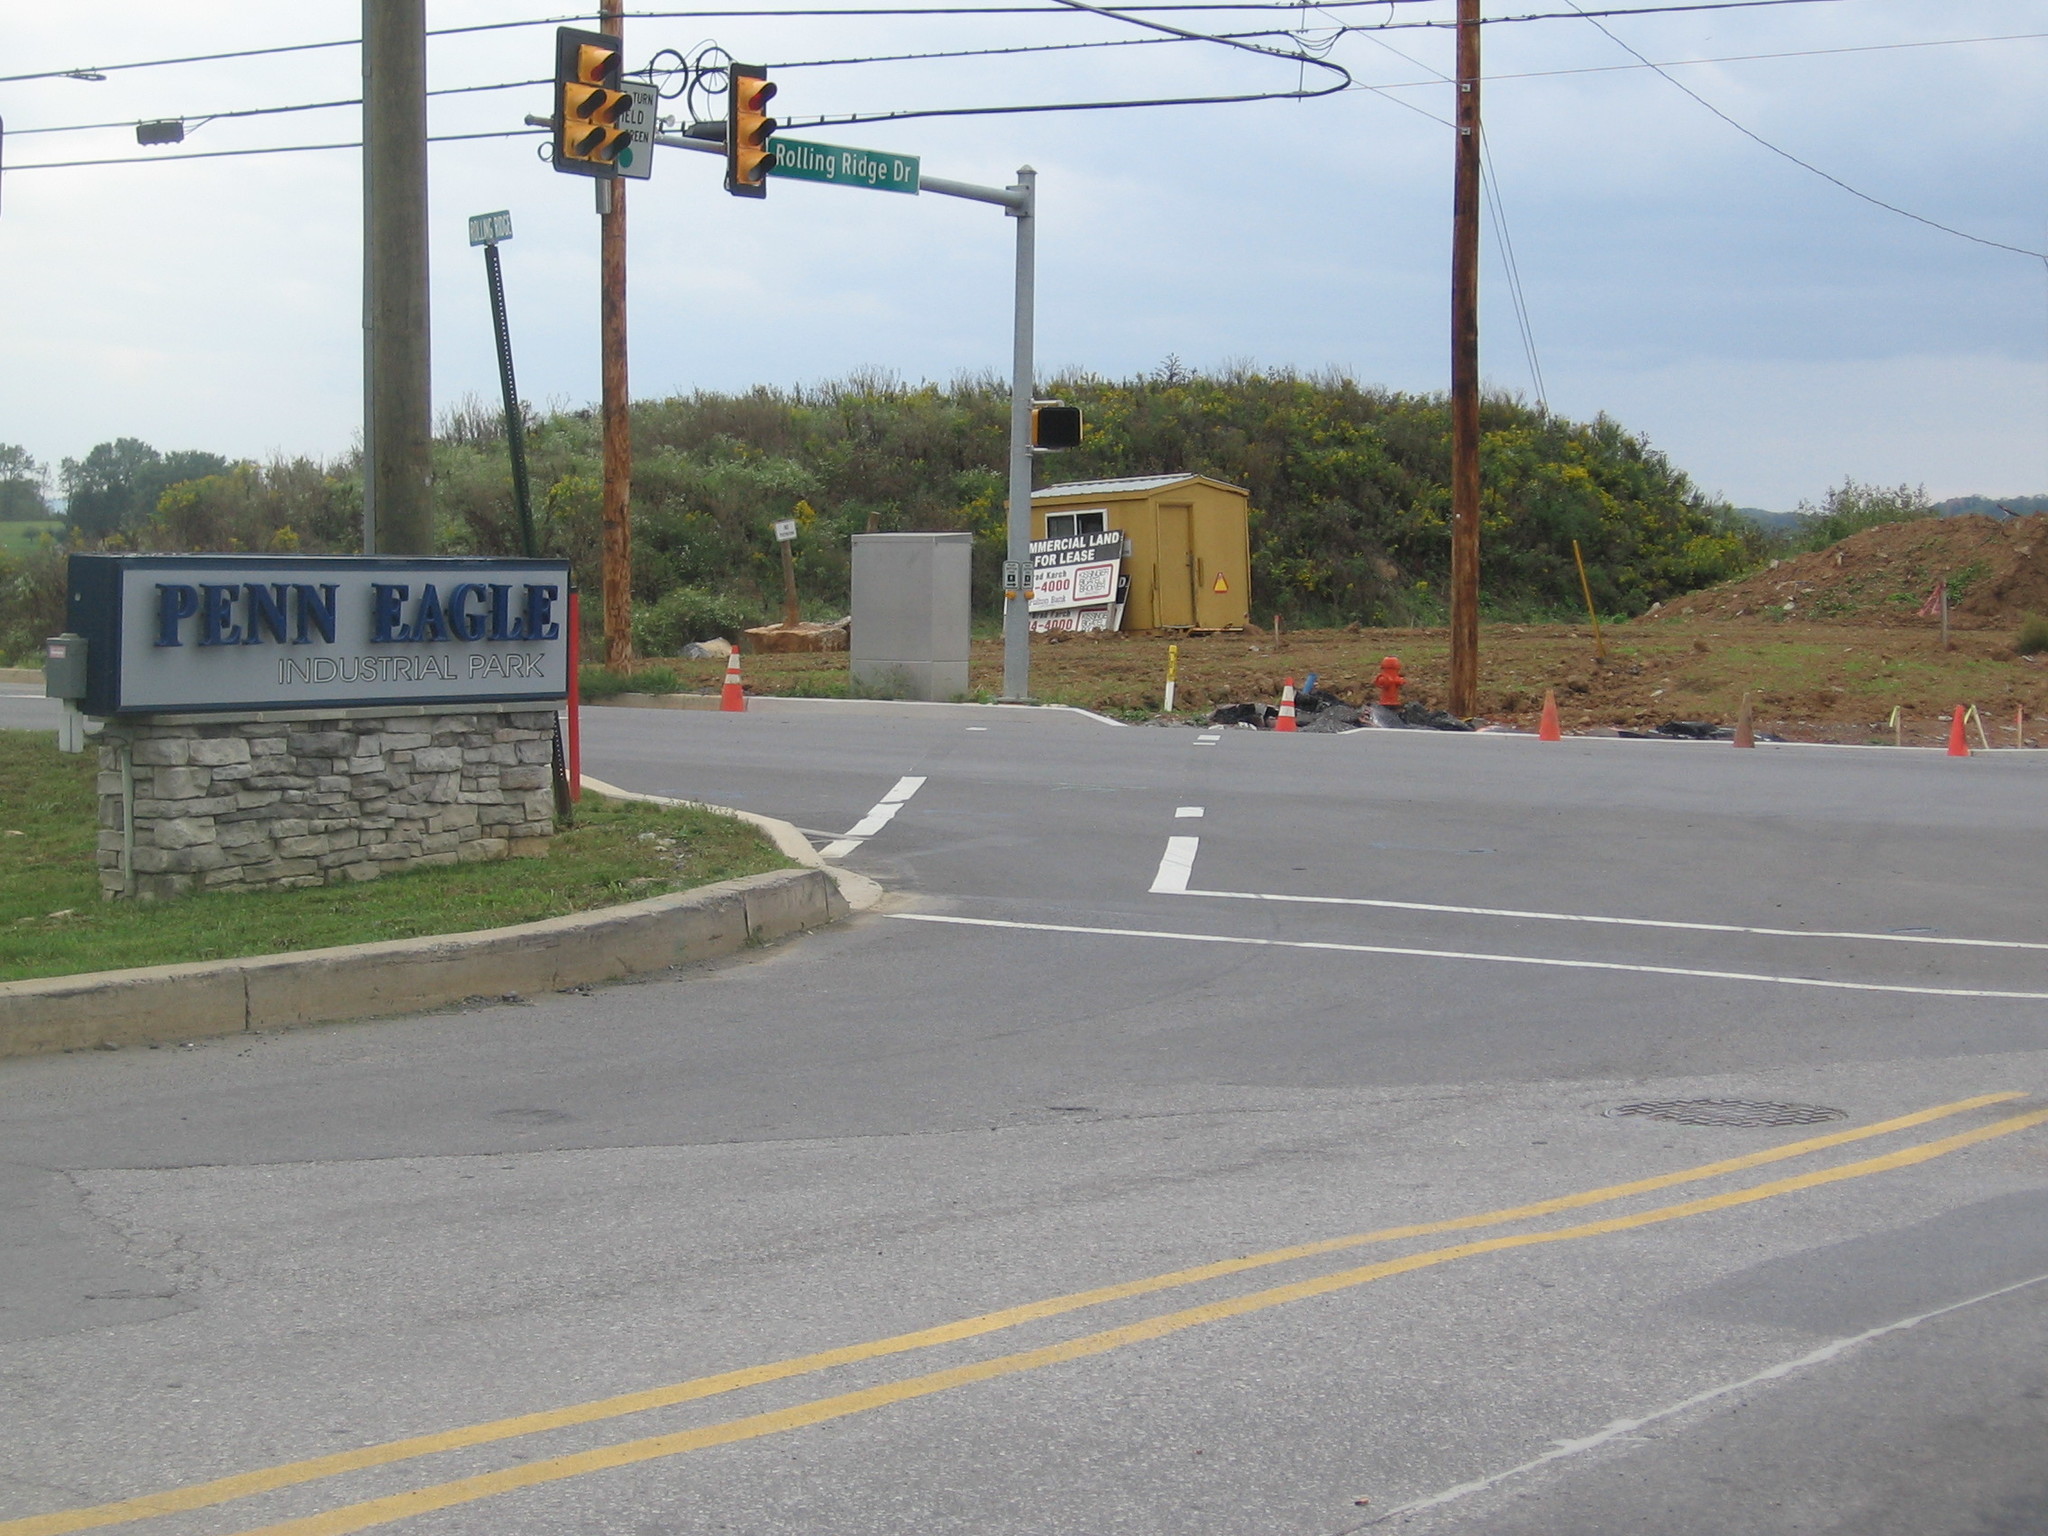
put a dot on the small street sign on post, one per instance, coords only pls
(874, 169)
(490, 228)
(785, 530)
(636, 160)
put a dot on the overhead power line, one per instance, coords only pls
(303, 106)
(1786, 154)
(271, 149)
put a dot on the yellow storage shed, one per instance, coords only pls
(1190, 562)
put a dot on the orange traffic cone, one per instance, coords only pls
(734, 697)
(1548, 731)
(1958, 743)
(1286, 720)
(1745, 731)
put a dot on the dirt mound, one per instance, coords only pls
(1997, 570)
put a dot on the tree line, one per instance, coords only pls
(1350, 491)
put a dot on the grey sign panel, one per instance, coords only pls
(190, 633)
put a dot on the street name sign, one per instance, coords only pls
(490, 228)
(874, 169)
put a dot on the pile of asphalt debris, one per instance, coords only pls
(1325, 713)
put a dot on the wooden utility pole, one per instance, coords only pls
(398, 408)
(1464, 683)
(618, 441)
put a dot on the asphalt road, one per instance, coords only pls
(1108, 1181)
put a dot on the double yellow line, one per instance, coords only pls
(374, 1512)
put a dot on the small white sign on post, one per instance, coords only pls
(785, 530)
(640, 121)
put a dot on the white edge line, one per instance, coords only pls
(1620, 1427)
(904, 788)
(839, 848)
(1458, 954)
(1622, 922)
(1175, 865)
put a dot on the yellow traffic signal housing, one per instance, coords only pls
(1055, 426)
(588, 103)
(748, 159)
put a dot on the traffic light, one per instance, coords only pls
(1054, 425)
(748, 159)
(588, 103)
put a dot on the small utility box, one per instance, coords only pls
(1189, 564)
(910, 614)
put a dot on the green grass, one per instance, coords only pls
(54, 923)
(17, 539)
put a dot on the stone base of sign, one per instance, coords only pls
(265, 801)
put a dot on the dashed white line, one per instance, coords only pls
(876, 819)
(1185, 811)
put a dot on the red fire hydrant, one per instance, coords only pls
(1389, 682)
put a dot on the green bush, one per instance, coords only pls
(685, 614)
(2033, 636)
(1851, 508)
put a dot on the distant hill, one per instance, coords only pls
(1989, 506)
(1776, 522)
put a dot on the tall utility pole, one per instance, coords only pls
(398, 409)
(1464, 682)
(1016, 606)
(618, 440)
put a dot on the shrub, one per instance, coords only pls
(684, 614)
(2033, 636)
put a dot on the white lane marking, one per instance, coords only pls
(1207, 741)
(1177, 864)
(1187, 810)
(977, 727)
(1617, 922)
(878, 817)
(1459, 954)
(1560, 1449)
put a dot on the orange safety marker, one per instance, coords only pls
(1958, 743)
(1286, 720)
(733, 698)
(1547, 730)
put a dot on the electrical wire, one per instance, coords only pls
(94, 71)
(1786, 154)
(197, 118)
(273, 149)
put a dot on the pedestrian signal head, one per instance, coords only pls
(1055, 426)
(748, 159)
(589, 105)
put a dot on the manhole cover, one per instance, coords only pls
(1730, 1112)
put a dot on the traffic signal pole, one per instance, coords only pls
(618, 439)
(398, 412)
(1016, 598)
(1463, 696)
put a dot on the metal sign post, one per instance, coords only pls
(486, 230)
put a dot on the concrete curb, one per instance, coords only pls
(354, 981)
(710, 702)
(859, 892)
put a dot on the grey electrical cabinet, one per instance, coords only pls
(910, 614)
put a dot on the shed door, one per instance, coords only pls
(1174, 606)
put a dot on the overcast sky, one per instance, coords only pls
(1769, 331)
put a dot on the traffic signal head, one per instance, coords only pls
(1055, 426)
(589, 104)
(748, 159)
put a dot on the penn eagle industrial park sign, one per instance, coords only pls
(192, 633)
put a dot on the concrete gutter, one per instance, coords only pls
(167, 1003)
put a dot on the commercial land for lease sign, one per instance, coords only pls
(1075, 582)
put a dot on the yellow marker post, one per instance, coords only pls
(1172, 674)
(1983, 739)
(1585, 586)
(1898, 728)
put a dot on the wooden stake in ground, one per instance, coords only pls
(1745, 730)
(1599, 645)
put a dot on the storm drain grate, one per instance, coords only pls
(1730, 1112)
